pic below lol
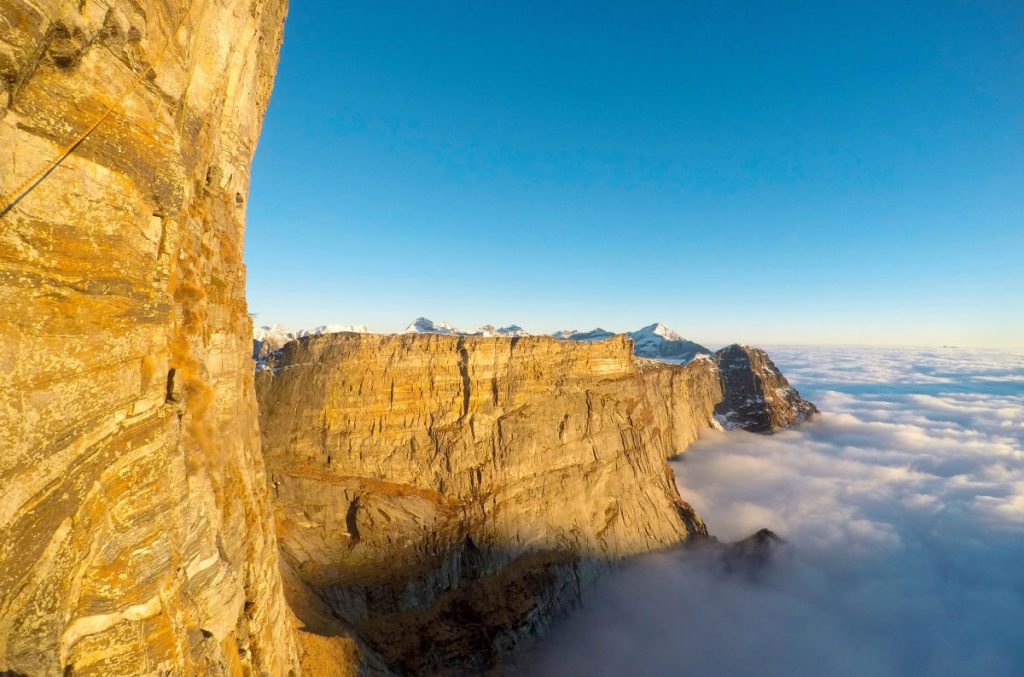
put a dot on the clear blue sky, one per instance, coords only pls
(763, 171)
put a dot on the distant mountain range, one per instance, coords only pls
(422, 325)
(267, 339)
(655, 341)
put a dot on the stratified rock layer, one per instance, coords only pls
(451, 495)
(135, 532)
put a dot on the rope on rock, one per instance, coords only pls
(14, 197)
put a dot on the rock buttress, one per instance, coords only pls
(135, 530)
(757, 397)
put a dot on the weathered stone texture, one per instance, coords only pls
(450, 496)
(135, 532)
(405, 466)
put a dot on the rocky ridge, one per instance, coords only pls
(596, 334)
(655, 341)
(270, 339)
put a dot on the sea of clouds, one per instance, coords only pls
(902, 508)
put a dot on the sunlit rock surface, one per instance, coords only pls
(135, 531)
(450, 496)
(445, 496)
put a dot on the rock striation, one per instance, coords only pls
(449, 496)
(135, 530)
(433, 501)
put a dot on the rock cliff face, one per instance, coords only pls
(448, 496)
(758, 397)
(135, 530)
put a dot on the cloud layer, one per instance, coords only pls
(903, 510)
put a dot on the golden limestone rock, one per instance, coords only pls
(451, 495)
(135, 530)
(440, 499)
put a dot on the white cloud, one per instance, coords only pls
(903, 508)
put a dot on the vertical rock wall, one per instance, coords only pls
(135, 532)
(450, 496)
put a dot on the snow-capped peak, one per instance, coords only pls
(658, 329)
(272, 331)
(422, 325)
(333, 329)
(659, 342)
(280, 332)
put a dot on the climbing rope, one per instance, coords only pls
(14, 197)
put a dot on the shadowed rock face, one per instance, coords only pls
(758, 398)
(753, 554)
(135, 532)
(424, 481)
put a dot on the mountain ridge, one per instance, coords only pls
(655, 341)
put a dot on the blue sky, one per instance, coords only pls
(765, 172)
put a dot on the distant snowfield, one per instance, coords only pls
(903, 508)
